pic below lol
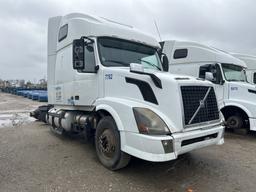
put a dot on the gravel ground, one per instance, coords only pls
(34, 159)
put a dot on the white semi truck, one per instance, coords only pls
(236, 97)
(250, 61)
(106, 80)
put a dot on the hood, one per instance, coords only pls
(242, 85)
(167, 76)
(242, 91)
(165, 101)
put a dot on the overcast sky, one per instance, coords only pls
(225, 24)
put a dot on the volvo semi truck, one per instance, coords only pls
(107, 82)
(250, 61)
(236, 97)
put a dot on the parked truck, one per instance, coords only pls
(250, 61)
(236, 97)
(107, 82)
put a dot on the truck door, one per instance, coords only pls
(86, 80)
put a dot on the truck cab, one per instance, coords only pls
(250, 61)
(236, 97)
(107, 82)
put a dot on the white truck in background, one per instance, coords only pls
(250, 61)
(106, 81)
(236, 97)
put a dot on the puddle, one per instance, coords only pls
(14, 120)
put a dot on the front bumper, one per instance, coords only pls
(165, 148)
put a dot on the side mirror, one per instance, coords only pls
(209, 76)
(135, 67)
(165, 62)
(78, 54)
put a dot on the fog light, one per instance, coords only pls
(168, 146)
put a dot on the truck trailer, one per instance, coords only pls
(236, 97)
(106, 81)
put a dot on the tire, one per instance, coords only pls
(107, 144)
(235, 122)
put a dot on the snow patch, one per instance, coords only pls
(14, 120)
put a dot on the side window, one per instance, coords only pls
(254, 78)
(180, 53)
(63, 32)
(89, 60)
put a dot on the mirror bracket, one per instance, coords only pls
(97, 67)
(222, 82)
(88, 40)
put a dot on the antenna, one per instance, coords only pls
(157, 30)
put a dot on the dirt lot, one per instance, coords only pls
(34, 159)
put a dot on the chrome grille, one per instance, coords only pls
(200, 104)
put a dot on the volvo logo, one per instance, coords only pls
(202, 103)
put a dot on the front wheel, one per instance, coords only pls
(235, 122)
(107, 143)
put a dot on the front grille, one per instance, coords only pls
(192, 96)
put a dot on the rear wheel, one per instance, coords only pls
(235, 122)
(107, 143)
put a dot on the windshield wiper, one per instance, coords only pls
(152, 64)
(119, 62)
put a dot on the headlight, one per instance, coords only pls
(149, 123)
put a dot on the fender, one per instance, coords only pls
(110, 104)
(113, 113)
(233, 104)
(105, 104)
(117, 106)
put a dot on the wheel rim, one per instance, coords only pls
(233, 122)
(107, 144)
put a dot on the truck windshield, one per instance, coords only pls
(117, 52)
(234, 72)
